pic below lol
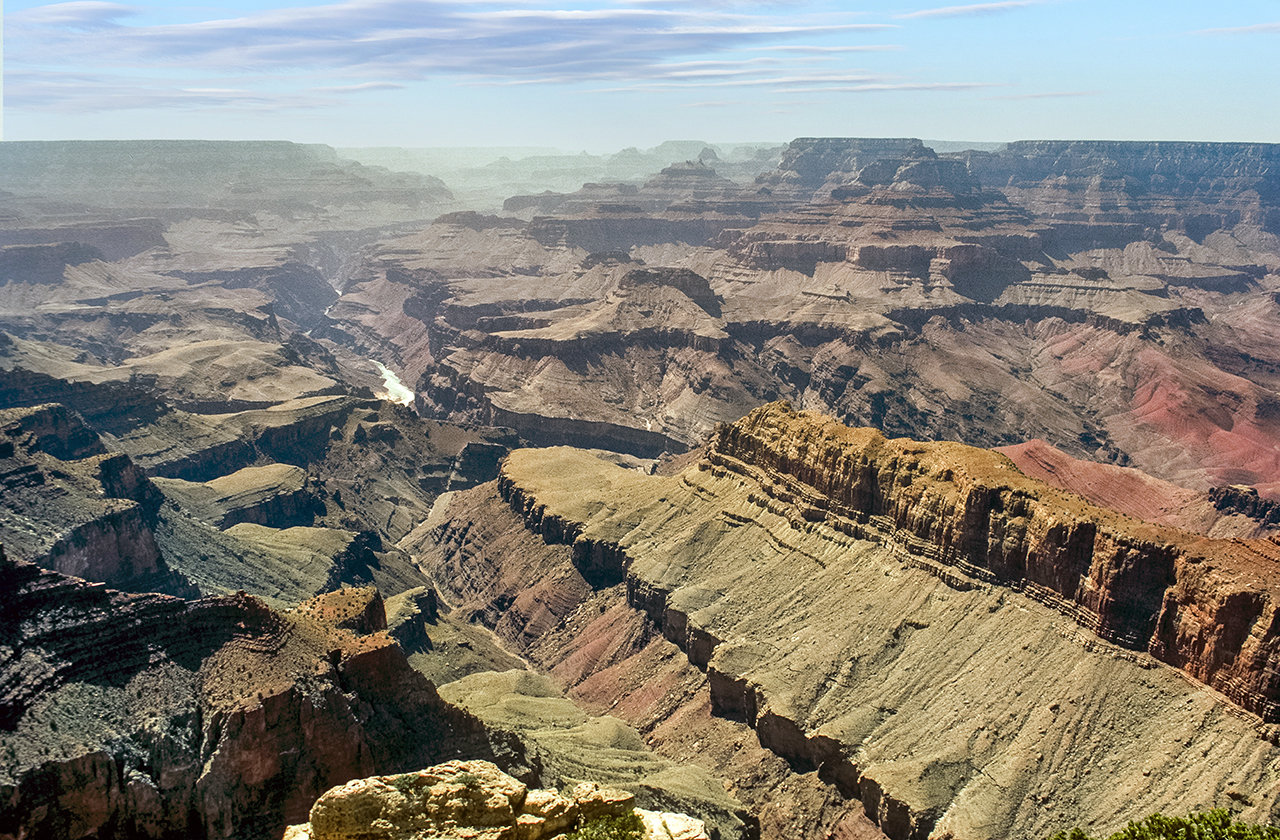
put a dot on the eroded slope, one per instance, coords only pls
(866, 605)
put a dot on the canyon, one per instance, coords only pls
(958, 649)
(839, 489)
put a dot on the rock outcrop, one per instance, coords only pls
(72, 507)
(472, 799)
(275, 495)
(922, 624)
(149, 716)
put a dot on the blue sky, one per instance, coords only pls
(602, 75)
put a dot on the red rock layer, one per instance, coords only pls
(1128, 491)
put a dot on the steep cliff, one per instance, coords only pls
(1206, 606)
(149, 716)
(921, 624)
(72, 507)
(1198, 187)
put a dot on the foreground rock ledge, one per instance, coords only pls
(472, 800)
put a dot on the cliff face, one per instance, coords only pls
(73, 508)
(1205, 606)
(149, 716)
(1198, 187)
(611, 659)
(920, 623)
(808, 162)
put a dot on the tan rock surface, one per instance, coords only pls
(919, 682)
(596, 801)
(470, 800)
(659, 826)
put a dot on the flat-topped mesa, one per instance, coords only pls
(1196, 187)
(809, 161)
(1209, 607)
(1179, 168)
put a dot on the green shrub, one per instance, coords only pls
(627, 827)
(1210, 825)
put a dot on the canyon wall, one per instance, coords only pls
(153, 717)
(951, 644)
(1206, 606)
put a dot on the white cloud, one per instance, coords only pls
(77, 93)
(360, 87)
(882, 87)
(1056, 94)
(972, 9)
(80, 14)
(372, 45)
(817, 50)
(1252, 29)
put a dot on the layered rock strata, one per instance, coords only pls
(149, 716)
(1114, 300)
(72, 507)
(920, 624)
(1205, 606)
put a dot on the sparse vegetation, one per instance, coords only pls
(1209, 825)
(628, 827)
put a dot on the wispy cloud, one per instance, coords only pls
(82, 94)
(796, 85)
(360, 88)
(1252, 29)
(816, 50)
(84, 15)
(381, 45)
(752, 82)
(406, 38)
(971, 9)
(884, 87)
(1056, 94)
(377, 44)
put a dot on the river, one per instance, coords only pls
(394, 389)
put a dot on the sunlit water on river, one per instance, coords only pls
(395, 390)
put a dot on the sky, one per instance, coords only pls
(602, 75)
